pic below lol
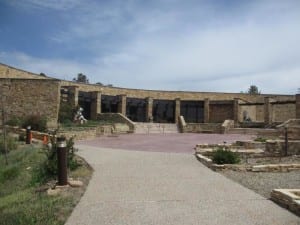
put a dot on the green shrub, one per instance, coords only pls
(260, 139)
(37, 123)
(48, 168)
(67, 123)
(15, 121)
(223, 156)
(66, 113)
(22, 137)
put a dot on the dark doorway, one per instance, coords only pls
(109, 104)
(84, 101)
(220, 111)
(163, 111)
(193, 111)
(136, 109)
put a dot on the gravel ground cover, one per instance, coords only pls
(272, 160)
(263, 183)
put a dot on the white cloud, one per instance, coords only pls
(179, 46)
(46, 4)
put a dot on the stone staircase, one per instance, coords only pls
(155, 128)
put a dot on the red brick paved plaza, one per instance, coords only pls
(179, 143)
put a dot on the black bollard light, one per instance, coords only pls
(62, 160)
(28, 135)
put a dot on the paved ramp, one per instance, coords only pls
(136, 187)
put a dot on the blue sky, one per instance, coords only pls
(197, 45)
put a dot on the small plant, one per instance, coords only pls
(225, 156)
(260, 139)
(15, 121)
(37, 123)
(48, 168)
(22, 137)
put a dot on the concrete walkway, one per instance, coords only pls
(135, 187)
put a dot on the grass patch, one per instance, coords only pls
(89, 123)
(69, 125)
(11, 143)
(21, 203)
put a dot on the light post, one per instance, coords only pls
(62, 161)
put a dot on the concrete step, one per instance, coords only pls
(154, 128)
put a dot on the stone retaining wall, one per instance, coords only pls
(116, 118)
(288, 198)
(277, 147)
(203, 128)
(24, 97)
(246, 167)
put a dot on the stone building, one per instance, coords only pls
(24, 93)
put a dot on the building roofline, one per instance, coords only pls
(134, 89)
(22, 70)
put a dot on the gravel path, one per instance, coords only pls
(264, 183)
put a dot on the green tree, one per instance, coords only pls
(81, 78)
(253, 90)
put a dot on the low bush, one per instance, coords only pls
(66, 113)
(48, 168)
(224, 156)
(15, 121)
(22, 137)
(37, 123)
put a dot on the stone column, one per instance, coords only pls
(122, 104)
(73, 95)
(297, 106)
(177, 109)
(149, 109)
(268, 111)
(236, 111)
(96, 104)
(206, 110)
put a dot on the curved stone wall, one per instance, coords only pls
(171, 95)
(203, 107)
